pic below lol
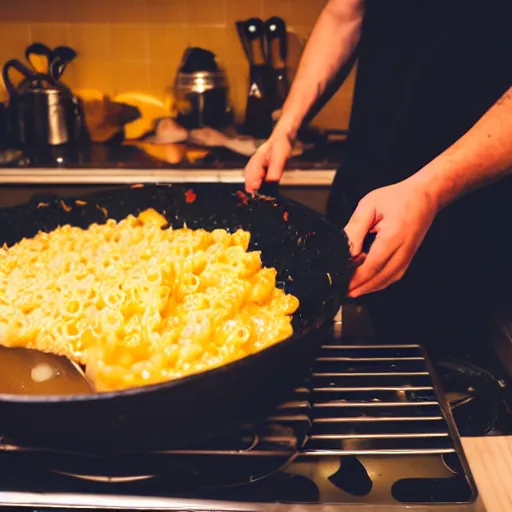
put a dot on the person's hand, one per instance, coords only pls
(268, 162)
(400, 216)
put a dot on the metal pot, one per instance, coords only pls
(46, 117)
(42, 111)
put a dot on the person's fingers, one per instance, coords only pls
(255, 169)
(392, 271)
(359, 225)
(380, 253)
(277, 160)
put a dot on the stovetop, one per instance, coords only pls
(370, 427)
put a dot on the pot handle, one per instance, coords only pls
(16, 64)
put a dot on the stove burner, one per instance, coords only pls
(271, 446)
(476, 398)
(352, 477)
(366, 428)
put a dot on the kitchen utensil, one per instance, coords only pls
(43, 111)
(258, 114)
(240, 28)
(312, 259)
(60, 58)
(31, 372)
(39, 56)
(276, 38)
(201, 90)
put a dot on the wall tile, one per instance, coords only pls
(130, 76)
(280, 8)
(161, 77)
(297, 39)
(167, 43)
(168, 11)
(202, 12)
(235, 53)
(239, 10)
(91, 40)
(51, 34)
(130, 42)
(92, 74)
(14, 39)
(305, 12)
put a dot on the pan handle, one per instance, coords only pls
(356, 261)
(269, 188)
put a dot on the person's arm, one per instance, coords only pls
(401, 214)
(330, 46)
(481, 156)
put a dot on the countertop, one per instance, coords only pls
(490, 460)
(146, 163)
(115, 176)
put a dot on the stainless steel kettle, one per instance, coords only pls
(43, 111)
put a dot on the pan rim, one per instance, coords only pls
(110, 395)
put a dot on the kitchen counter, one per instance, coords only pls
(115, 176)
(139, 156)
(490, 460)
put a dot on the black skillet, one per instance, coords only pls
(312, 258)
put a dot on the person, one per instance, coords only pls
(431, 124)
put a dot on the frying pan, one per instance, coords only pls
(312, 259)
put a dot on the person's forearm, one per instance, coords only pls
(329, 47)
(481, 156)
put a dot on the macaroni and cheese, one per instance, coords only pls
(138, 302)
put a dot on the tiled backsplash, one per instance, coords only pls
(136, 45)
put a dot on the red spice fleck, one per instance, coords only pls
(137, 185)
(102, 210)
(242, 196)
(80, 203)
(285, 216)
(43, 205)
(190, 196)
(65, 207)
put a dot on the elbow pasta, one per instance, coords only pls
(137, 302)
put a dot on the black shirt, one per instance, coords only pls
(427, 71)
